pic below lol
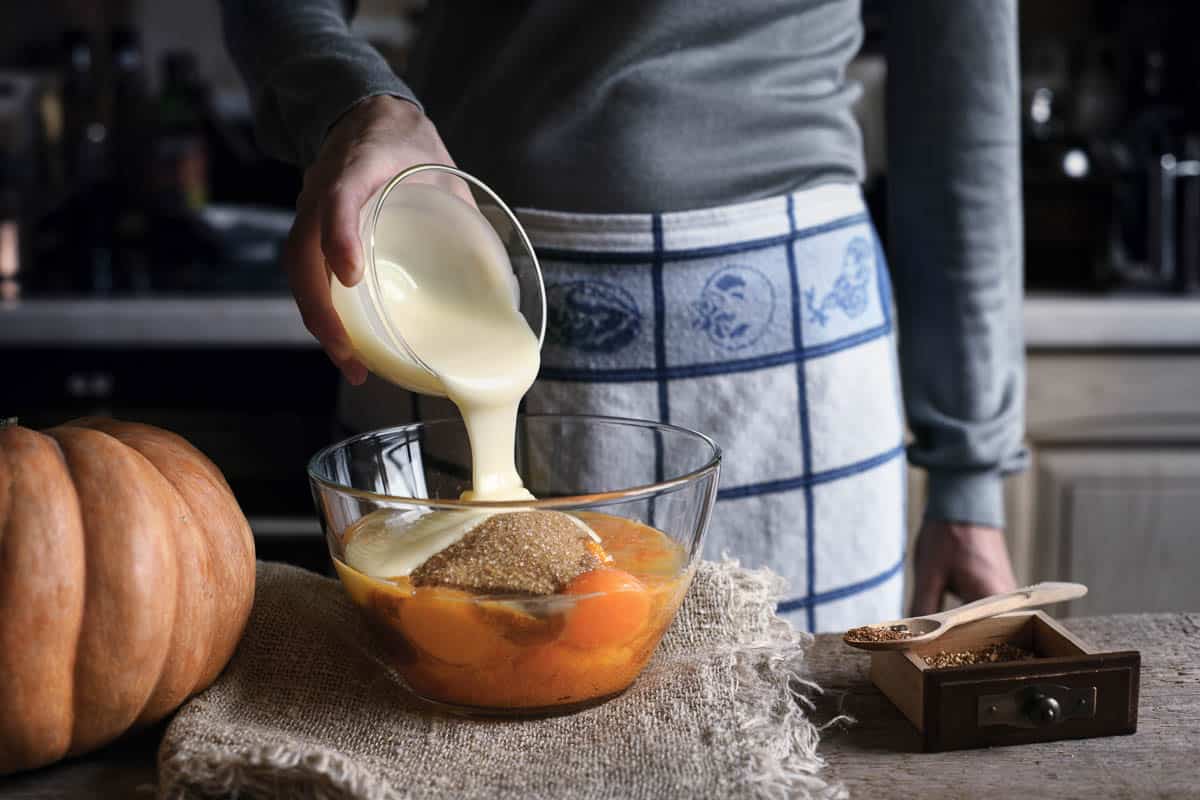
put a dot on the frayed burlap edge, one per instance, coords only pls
(779, 740)
(269, 772)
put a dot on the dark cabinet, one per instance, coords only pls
(259, 414)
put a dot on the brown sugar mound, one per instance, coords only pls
(525, 552)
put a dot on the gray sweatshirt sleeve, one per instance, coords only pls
(303, 68)
(955, 236)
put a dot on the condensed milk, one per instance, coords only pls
(446, 286)
(452, 300)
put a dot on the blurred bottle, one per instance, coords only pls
(11, 238)
(1099, 105)
(85, 136)
(131, 136)
(87, 216)
(15, 153)
(179, 153)
(130, 106)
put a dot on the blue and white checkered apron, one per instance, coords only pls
(768, 326)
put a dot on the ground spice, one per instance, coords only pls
(993, 653)
(525, 552)
(875, 633)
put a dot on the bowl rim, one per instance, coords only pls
(571, 501)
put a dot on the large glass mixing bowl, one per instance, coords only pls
(645, 488)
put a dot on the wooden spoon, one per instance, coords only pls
(926, 629)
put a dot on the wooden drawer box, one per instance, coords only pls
(1068, 692)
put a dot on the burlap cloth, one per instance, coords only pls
(304, 710)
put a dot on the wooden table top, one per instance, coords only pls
(877, 756)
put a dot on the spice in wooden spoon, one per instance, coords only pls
(877, 633)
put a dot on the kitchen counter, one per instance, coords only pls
(271, 321)
(877, 755)
(1052, 321)
(1111, 322)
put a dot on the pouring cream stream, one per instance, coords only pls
(452, 300)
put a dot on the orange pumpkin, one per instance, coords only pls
(126, 578)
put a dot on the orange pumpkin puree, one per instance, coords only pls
(584, 644)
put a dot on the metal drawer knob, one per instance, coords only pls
(1043, 710)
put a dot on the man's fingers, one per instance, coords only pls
(373, 141)
(343, 202)
(342, 208)
(354, 372)
(309, 280)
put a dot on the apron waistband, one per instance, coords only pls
(699, 229)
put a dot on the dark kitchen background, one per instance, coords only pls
(140, 230)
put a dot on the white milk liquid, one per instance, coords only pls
(450, 292)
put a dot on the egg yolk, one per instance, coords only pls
(613, 608)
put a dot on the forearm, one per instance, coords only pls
(304, 70)
(955, 246)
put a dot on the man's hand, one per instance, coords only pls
(374, 140)
(971, 561)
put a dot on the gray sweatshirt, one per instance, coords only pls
(668, 105)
